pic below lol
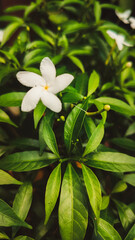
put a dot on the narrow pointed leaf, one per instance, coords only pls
(52, 191)
(111, 161)
(73, 214)
(93, 82)
(3, 235)
(131, 234)
(5, 118)
(77, 62)
(93, 189)
(117, 105)
(126, 215)
(74, 124)
(9, 218)
(6, 178)
(9, 31)
(49, 137)
(95, 139)
(38, 113)
(106, 231)
(27, 161)
(21, 237)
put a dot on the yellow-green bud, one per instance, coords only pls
(107, 107)
(28, 28)
(59, 28)
(129, 64)
(62, 118)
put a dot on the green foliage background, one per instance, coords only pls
(69, 175)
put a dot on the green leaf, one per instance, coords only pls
(30, 9)
(93, 82)
(95, 139)
(11, 99)
(117, 105)
(8, 218)
(126, 215)
(74, 26)
(10, 56)
(41, 33)
(21, 237)
(27, 161)
(111, 161)
(81, 83)
(105, 202)
(52, 191)
(97, 11)
(125, 143)
(49, 137)
(3, 236)
(107, 232)
(5, 118)
(77, 62)
(130, 178)
(72, 97)
(119, 187)
(93, 189)
(66, 2)
(38, 113)
(6, 18)
(74, 124)
(89, 126)
(130, 130)
(73, 214)
(15, 8)
(6, 178)
(131, 234)
(22, 202)
(10, 30)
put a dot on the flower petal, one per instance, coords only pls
(31, 99)
(48, 70)
(61, 82)
(51, 101)
(30, 79)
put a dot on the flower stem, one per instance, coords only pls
(106, 108)
(110, 53)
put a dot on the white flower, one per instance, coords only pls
(119, 38)
(123, 16)
(1, 35)
(43, 87)
(132, 22)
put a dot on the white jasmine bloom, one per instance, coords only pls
(1, 35)
(119, 38)
(43, 87)
(132, 22)
(123, 16)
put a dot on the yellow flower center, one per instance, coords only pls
(46, 87)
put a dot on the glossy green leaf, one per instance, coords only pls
(27, 161)
(30, 9)
(3, 235)
(7, 18)
(111, 161)
(72, 97)
(10, 56)
(130, 178)
(15, 8)
(52, 191)
(117, 105)
(131, 234)
(11, 99)
(107, 232)
(38, 113)
(10, 30)
(125, 143)
(22, 143)
(93, 189)
(66, 2)
(89, 126)
(73, 214)
(6, 178)
(9, 218)
(38, 30)
(93, 82)
(126, 215)
(73, 124)
(105, 202)
(74, 26)
(77, 62)
(49, 137)
(97, 11)
(119, 187)
(5, 118)
(95, 139)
